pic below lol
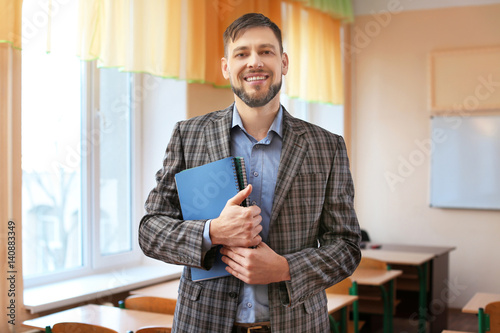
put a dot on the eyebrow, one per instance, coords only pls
(261, 46)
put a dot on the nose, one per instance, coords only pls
(254, 61)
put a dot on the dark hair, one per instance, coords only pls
(247, 21)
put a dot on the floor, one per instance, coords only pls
(456, 321)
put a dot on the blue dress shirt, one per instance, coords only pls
(262, 160)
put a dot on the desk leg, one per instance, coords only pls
(355, 311)
(387, 310)
(391, 305)
(343, 320)
(422, 306)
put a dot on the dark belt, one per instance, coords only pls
(264, 327)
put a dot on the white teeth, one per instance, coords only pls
(255, 78)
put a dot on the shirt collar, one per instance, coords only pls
(276, 126)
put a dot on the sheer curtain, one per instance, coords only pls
(313, 43)
(10, 161)
(172, 39)
(183, 39)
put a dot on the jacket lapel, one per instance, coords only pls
(292, 155)
(218, 135)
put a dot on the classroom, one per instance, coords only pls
(417, 84)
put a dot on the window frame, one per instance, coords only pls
(92, 260)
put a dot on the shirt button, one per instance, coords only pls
(233, 294)
(254, 203)
(249, 305)
(256, 174)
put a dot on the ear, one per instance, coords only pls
(225, 68)
(284, 63)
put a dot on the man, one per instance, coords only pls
(299, 236)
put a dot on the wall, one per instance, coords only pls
(391, 132)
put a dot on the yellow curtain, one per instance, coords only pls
(10, 165)
(10, 22)
(313, 45)
(166, 38)
(183, 39)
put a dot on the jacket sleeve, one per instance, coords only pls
(336, 254)
(163, 234)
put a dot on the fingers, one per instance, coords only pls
(241, 196)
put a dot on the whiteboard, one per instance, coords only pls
(465, 162)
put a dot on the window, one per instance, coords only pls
(77, 152)
(330, 117)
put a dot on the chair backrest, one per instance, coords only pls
(364, 236)
(154, 329)
(150, 304)
(493, 310)
(372, 263)
(80, 328)
(341, 288)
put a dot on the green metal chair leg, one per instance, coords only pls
(334, 326)
(483, 320)
(343, 320)
(355, 311)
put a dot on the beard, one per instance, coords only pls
(257, 101)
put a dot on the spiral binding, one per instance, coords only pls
(241, 173)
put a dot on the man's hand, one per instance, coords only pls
(259, 265)
(237, 225)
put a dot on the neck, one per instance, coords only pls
(257, 121)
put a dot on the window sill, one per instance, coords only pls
(56, 295)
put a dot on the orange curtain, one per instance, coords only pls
(10, 164)
(207, 21)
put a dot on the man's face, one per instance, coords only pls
(254, 66)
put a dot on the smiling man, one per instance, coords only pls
(299, 236)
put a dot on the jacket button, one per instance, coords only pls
(233, 294)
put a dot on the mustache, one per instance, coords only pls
(255, 71)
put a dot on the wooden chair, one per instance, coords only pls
(149, 304)
(346, 287)
(372, 264)
(489, 318)
(154, 329)
(78, 328)
(377, 300)
(370, 299)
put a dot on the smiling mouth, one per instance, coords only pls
(254, 78)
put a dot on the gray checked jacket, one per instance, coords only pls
(313, 225)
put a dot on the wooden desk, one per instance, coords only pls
(340, 302)
(121, 320)
(432, 265)
(337, 302)
(167, 289)
(380, 278)
(480, 300)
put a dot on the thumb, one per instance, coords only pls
(241, 196)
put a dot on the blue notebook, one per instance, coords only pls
(203, 193)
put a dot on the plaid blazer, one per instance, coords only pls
(313, 225)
